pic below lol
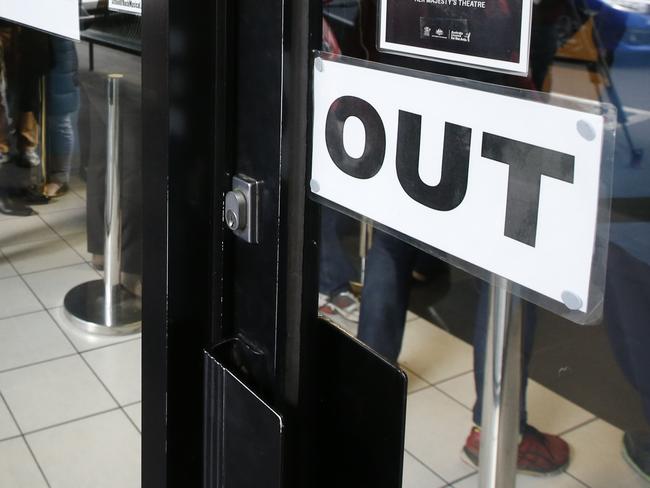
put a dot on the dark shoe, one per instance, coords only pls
(9, 207)
(539, 454)
(636, 451)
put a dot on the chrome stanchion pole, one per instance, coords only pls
(105, 306)
(501, 389)
(112, 213)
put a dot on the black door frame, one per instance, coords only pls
(192, 295)
(226, 90)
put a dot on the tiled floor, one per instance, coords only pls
(440, 398)
(70, 402)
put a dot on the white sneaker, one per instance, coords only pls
(31, 158)
(4, 157)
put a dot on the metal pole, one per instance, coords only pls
(501, 389)
(105, 306)
(112, 214)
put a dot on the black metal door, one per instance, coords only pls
(232, 330)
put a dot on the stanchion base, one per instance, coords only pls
(84, 306)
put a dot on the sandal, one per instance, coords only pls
(60, 189)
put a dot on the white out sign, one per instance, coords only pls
(506, 184)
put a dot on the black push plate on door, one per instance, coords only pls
(358, 413)
(243, 435)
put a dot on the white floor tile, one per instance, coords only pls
(436, 429)
(79, 243)
(69, 201)
(523, 481)
(102, 451)
(67, 222)
(51, 286)
(415, 383)
(6, 270)
(135, 413)
(25, 229)
(53, 392)
(416, 475)
(410, 316)
(8, 427)
(82, 340)
(16, 298)
(434, 354)
(547, 411)
(17, 466)
(597, 460)
(119, 367)
(30, 338)
(40, 255)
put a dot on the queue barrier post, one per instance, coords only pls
(105, 306)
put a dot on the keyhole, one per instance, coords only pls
(231, 220)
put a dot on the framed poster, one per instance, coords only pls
(488, 34)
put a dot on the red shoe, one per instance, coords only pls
(539, 454)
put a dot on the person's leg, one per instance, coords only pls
(61, 142)
(538, 453)
(5, 37)
(335, 271)
(626, 315)
(480, 343)
(385, 296)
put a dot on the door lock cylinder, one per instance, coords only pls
(241, 208)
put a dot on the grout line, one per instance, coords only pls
(425, 387)
(83, 261)
(85, 232)
(456, 376)
(34, 312)
(53, 268)
(578, 480)
(425, 465)
(125, 341)
(66, 422)
(36, 363)
(13, 417)
(38, 465)
(580, 425)
(453, 399)
(131, 420)
(463, 478)
(11, 438)
(121, 407)
(22, 436)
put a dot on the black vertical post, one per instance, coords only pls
(178, 65)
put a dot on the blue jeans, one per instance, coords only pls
(335, 271)
(385, 301)
(627, 308)
(61, 145)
